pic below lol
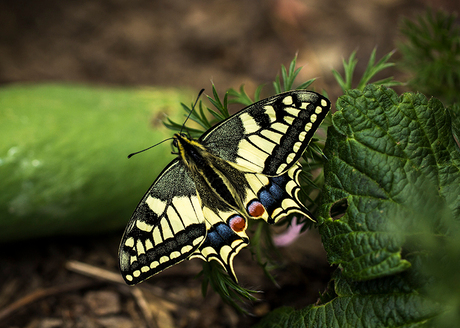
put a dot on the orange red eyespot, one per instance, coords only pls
(237, 223)
(256, 209)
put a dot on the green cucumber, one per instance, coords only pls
(63, 156)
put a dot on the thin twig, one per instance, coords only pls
(95, 272)
(136, 292)
(144, 307)
(42, 293)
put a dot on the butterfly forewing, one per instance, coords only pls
(166, 227)
(269, 136)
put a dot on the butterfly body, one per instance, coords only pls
(246, 167)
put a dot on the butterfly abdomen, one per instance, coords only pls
(209, 173)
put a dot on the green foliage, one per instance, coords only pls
(454, 111)
(390, 211)
(371, 70)
(196, 115)
(199, 116)
(222, 284)
(221, 106)
(376, 311)
(431, 53)
(395, 165)
(264, 249)
(288, 77)
(242, 97)
(370, 146)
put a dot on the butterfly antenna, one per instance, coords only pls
(188, 116)
(140, 151)
(193, 108)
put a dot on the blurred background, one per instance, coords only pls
(174, 48)
(188, 44)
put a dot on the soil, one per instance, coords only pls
(177, 44)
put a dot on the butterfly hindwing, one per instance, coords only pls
(222, 241)
(279, 194)
(268, 198)
(269, 136)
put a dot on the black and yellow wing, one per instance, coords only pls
(271, 135)
(166, 227)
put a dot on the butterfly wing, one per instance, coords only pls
(269, 136)
(278, 194)
(166, 228)
(222, 242)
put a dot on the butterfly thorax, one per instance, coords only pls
(191, 152)
(220, 186)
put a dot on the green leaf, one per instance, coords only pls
(288, 77)
(349, 68)
(284, 317)
(371, 70)
(455, 115)
(177, 127)
(199, 116)
(384, 302)
(257, 92)
(306, 84)
(221, 107)
(241, 97)
(393, 180)
(392, 160)
(357, 311)
(262, 246)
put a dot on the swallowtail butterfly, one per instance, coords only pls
(245, 167)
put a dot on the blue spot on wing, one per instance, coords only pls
(275, 190)
(267, 200)
(273, 194)
(220, 235)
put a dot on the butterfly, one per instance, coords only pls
(245, 167)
